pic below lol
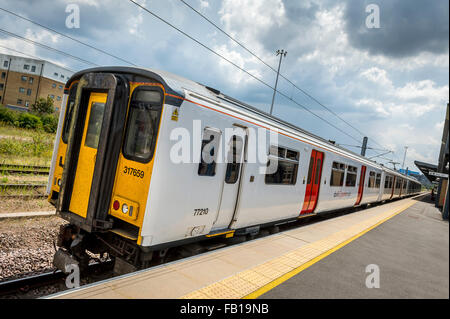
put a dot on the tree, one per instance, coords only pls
(43, 106)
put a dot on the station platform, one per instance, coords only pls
(275, 266)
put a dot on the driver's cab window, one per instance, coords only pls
(143, 122)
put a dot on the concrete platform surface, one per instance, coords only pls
(247, 270)
(410, 250)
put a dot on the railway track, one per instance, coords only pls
(22, 186)
(24, 169)
(23, 196)
(21, 286)
(30, 191)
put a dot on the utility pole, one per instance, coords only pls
(364, 146)
(404, 157)
(281, 53)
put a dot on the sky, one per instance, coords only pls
(390, 83)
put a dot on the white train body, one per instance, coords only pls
(176, 190)
(191, 200)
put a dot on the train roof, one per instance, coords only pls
(177, 84)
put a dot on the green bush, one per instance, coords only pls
(43, 106)
(49, 123)
(7, 116)
(27, 120)
(35, 121)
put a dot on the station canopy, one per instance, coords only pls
(426, 169)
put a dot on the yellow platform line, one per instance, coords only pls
(306, 265)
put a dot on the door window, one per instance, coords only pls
(234, 160)
(209, 150)
(318, 166)
(94, 125)
(311, 165)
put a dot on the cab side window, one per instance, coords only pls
(143, 122)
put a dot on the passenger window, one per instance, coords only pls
(378, 180)
(143, 121)
(337, 174)
(293, 155)
(287, 160)
(95, 125)
(234, 160)
(350, 180)
(208, 156)
(371, 179)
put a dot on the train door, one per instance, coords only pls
(231, 184)
(87, 154)
(362, 179)
(313, 185)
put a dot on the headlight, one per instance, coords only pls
(124, 208)
(59, 182)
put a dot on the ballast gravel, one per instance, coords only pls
(26, 246)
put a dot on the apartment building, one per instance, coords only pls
(24, 80)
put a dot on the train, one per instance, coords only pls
(146, 161)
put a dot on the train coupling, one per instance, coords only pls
(64, 261)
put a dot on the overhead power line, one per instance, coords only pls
(237, 66)
(268, 65)
(274, 70)
(369, 148)
(67, 36)
(47, 47)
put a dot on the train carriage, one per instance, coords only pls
(119, 175)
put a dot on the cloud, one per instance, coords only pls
(378, 76)
(204, 4)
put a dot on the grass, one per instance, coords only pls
(8, 130)
(24, 146)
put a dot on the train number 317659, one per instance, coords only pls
(133, 171)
